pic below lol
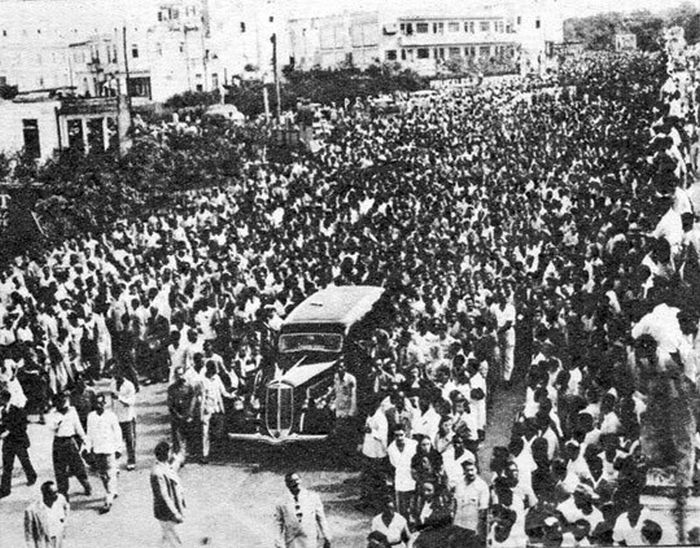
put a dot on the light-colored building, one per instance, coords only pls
(425, 36)
(159, 46)
(39, 125)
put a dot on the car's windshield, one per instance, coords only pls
(323, 342)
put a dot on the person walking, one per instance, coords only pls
(212, 403)
(299, 517)
(68, 436)
(505, 318)
(124, 395)
(181, 405)
(15, 442)
(168, 498)
(104, 440)
(45, 519)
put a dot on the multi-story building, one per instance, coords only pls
(424, 36)
(155, 48)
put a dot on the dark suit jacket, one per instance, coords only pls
(14, 421)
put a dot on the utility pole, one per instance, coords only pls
(273, 39)
(126, 70)
(123, 111)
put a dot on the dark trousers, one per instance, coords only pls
(129, 437)
(10, 450)
(66, 463)
(180, 432)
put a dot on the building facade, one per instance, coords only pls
(155, 48)
(427, 37)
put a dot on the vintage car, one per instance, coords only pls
(296, 404)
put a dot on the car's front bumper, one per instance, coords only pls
(271, 440)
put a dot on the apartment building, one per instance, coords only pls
(424, 36)
(155, 48)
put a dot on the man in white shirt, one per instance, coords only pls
(345, 398)
(388, 528)
(45, 519)
(124, 397)
(628, 526)
(471, 502)
(505, 319)
(374, 448)
(345, 393)
(427, 421)
(104, 438)
(68, 433)
(580, 506)
(400, 453)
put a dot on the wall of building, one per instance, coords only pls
(44, 45)
(14, 117)
(420, 38)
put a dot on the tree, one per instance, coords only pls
(687, 16)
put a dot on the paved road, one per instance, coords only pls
(229, 501)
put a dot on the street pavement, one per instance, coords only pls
(230, 501)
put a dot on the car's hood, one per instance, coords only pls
(302, 372)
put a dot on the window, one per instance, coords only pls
(453, 26)
(485, 26)
(4, 32)
(421, 28)
(484, 51)
(391, 55)
(470, 51)
(499, 27)
(30, 130)
(182, 47)
(538, 23)
(199, 88)
(321, 342)
(159, 49)
(469, 27)
(438, 28)
(423, 53)
(134, 51)
(403, 54)
(439, 53)
(242, 26)
(160, 16)
(139, 87)
(215, 80)
(519, 20)
(95, 135)
(454, 53)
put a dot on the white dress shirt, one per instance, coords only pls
(401, 461)
(103, 432)
(67, 425)
(125, 400)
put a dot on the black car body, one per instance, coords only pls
(326, 327)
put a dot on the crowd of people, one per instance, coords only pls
(521, 235)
